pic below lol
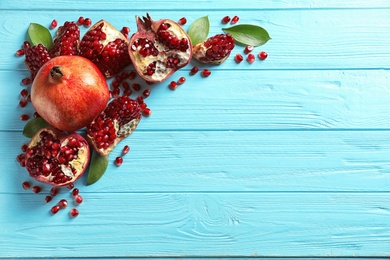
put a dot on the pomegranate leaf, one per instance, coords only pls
(97, 167)
(199, 30)
(33, 126)
(248, 34)
(40, 34)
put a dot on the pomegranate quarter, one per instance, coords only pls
(69, 92)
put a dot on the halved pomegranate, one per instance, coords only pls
(159, 48)
(57, 158)
(214, 50)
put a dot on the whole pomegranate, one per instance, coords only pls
(214, 50)
(57, 158)
(69, 92)
(159, 48)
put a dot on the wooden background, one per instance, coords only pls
(288, 157)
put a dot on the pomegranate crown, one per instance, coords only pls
(144, 23)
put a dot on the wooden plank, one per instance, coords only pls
(301, 39)
(227, 161)
(245, 100)
(198, 224)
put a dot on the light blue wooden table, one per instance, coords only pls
(289, 157)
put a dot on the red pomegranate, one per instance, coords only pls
(214, 50)
(69, 92)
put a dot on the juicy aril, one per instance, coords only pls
(57, 158)
(69, 92)
(159, 48)
(214, 50)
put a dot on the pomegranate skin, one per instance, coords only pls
(69, 92)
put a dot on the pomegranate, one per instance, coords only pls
(120, 118)
(214, 50)
(66, 41)
(106, 47)
(159, 48)
(57, 158)
(69, 92)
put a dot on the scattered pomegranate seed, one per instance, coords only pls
(23, 103)
(206, 73)
(19, 52)
(75, 192)
(250, 58)
(226, 19)
(126, 149)
(248, 49)
(70, 186)
(125, 85)
(80, 21)
(125, 30)
(24, 93)
(115, 84)
(118, 161)
(63, 203)
(29, 98)
(115, 93)
(194, 70)
(182, 21)
(26, 185)
(146, 93)
(238, 58)
(26, 81)
(147, 112)
(172, 85)
(36, 115)
(235, 19)
(132, 75)
(54, 191)
(127, 92)
(55, 209)
(48, 199)
(53, 24)
(136, 86)
(36, 189)
(74, 213)
(78, 199)
(140, 100)
(263, 55)
(87, 22)
(181, 80)
(24, 117)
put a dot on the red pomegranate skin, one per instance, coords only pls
(69, 92)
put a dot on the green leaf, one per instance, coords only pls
(40, 34)
(97, 167)
(199, 30)
(248, 34)
(33, 126)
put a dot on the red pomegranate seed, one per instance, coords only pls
(75, 192)
(24, 147)
(115, 93)
(54, 191)
(136, 86)
(125, 30)
(24, 117)
(126, 149)
(29, 98)
(172, 85)
(235, 19)
(238, 58)
(206, 73)
(248, 49)
(226, 19)
(78, 199)
(146, 93)
(19, 52)
(80, 21)
(36, 115)
(140, 100)
(194, 70)
(74, 213)
(127, 92)
(181, 80)
(118, 161)
(263, 55)
(23, 103)
(87, 22)
(26, 81)
(250, 58)
(132, 75)
(36, 189)
(63, 203)
(48, 199)
(26, 185)
(55, 209)
(70, 186)
(147, 112)
(24, 93)
(182, 21)
(53, 24)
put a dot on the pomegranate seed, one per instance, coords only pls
(206, 73)
(147, 112)
(74, 213)
(238, 58)
(181, 80)
(23, 103)
(225, 19)
(78, 199)
(250, 58)
(53, 24)
(172, 85)
(26, 81)
(36, 115)
(24, 93)
(263, 55)
(194, 70)
(87, 22)
(136, 86)
(70, 186)
(19, 52)
(235, 19)
(115, 93)
(26, 185)
(63, 203)
(118, 161)
(55, 209)
(132, 75)
(24, 117)
(80, 21)
(140, 100)
(48, 199)
(127, 92)
(248, 49)
(125, 30)
(53, 191)
(126, 149)
(24, 147)
(75, 192)
(29, 98)
(146, 93)
(36, 189)
(182, 21)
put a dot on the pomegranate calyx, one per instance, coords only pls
(56, 72)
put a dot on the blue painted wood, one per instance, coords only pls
(288, 157)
